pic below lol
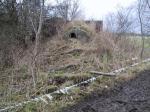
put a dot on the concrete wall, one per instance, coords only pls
(97, 24)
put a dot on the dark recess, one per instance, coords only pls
(73, 35)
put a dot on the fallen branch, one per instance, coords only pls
(102, 73)
(74, 51)
(66, 89)
(64, 67)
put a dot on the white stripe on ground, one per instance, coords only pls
(66, 89)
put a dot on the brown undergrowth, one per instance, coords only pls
(61, 63)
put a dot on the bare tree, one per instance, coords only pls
(120, 23)
(140, 6)
(16, 20)
(148, 4)
(111, 22)
(143, 11)
(68, 9)
(37, 27)
(74, 10)
(8, 31)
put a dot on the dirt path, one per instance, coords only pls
(132, 96)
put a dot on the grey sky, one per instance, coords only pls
(97, 9)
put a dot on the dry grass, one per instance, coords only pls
(62, 63)
(78, 94)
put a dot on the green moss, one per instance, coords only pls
(31, 107)
(23, 72)
(51, 88)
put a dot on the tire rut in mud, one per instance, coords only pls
(131, 96)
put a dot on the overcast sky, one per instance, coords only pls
(98, 9)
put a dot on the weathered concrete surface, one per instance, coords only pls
(131, 96)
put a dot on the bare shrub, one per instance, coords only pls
(104, 43)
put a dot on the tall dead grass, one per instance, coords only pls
(100, 53)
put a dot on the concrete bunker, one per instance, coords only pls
(73, 35)
(77, 33)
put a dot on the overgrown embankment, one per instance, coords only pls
(62, 63)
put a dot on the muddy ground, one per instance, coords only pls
(130, 96)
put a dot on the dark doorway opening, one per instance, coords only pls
(73, 35)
